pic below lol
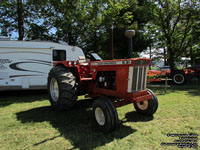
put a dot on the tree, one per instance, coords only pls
(193, 51)
(85, 23)
(26, 19)
(175, 20)
(8, 17)
(39, 25)
(12, 18)
(120, 16)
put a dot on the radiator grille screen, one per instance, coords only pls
(139, 78)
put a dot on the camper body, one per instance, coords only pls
(26, 64)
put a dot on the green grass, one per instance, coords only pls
(28, 122)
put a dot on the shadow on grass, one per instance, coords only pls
(22, 96)
(75, 125)
(192, 88)
(136, 117)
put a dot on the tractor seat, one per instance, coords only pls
(82, 60)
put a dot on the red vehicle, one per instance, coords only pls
(193, 72)
(156, 75)
(113, 83)
(178, 77)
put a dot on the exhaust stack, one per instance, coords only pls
(129, 34)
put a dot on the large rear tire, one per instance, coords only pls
(147, 107)
(179, 78)
(105, 115)
(62, 88)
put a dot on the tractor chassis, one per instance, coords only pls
(122, 100)
(113, 83)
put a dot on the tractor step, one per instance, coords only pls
(86, 79)
(142, 98)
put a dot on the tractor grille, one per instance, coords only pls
(137, 78)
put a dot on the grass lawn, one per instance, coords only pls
(28, 122)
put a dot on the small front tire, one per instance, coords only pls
(147, 107)
(105, 115)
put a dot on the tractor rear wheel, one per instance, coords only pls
(178, 78)
(147, 107)
(62, 88)
(105, 115)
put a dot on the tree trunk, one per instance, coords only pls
(165, 60)
(150, 55)
(191, 56)
(111, 44)
(171, 61)
(70, 39)
(20, 19)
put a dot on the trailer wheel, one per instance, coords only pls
(147, 107)
(105, 115)
(62, 88)
(179, 78)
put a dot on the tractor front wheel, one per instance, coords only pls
(105, 115)
(147, 107)
(62, 88)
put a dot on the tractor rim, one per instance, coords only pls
(99, 115)
(143, 105)
(179, 78)
(54, 90)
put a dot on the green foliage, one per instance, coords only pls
(8, 17)
(89, 24)
(85, 23)
(174, 21)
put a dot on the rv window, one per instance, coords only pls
(59, 55)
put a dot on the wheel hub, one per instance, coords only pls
(54, 90)
(99, 115)
(143, 105)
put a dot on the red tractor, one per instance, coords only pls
(179, 77)
(114, 83)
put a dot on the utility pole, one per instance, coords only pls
(20, 19)
(112, 44)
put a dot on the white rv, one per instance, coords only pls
(26, 64)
